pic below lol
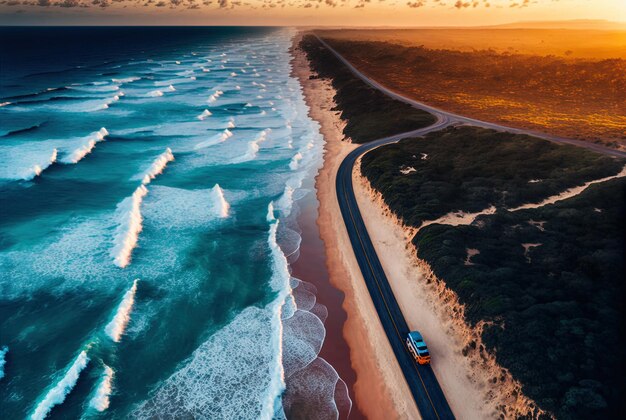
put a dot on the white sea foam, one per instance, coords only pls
(38, 168)
(3, 352)
(171, 88)
(205, 113)
(116, 327)
(4, 104)
(95, 88)
(100, 400)
(222, 205)
(253, 147)
(231, 124)
(182, 209)
(154, 93)
(158, 166)
(218, 138)
(270, 212)
(126, 79)
(293, 165)
(210, 383)
(57, 394)
(88, 143)
(214, 96)
(129, 228)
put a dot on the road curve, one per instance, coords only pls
(426, 391)
(421, 379)
(459, 119)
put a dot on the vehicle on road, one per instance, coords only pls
(417, 348)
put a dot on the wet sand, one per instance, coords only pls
(311, 267)
(380, 391)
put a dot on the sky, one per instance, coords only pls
(304, 12)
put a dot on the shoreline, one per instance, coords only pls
(380, 390)
(310, 266)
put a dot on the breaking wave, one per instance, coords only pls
(253, 147)
(154, 93)
(222, 205)
(218, 138)
(158, 166)
(126, 80)
(293, 165)
(205, 113)
(214, 96)
(128, 231)
(116, 327)
(100, 400)
(37, 169)
(87, 147)
(57, 394)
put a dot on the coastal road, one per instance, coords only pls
(421, 379)
(426, 391)
(459, 119)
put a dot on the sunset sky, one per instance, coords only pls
(304, 12)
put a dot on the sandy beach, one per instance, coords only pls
(380, 388)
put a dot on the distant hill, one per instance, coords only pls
(589, 24)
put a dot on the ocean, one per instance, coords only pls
(149, 192)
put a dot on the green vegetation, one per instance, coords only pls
(470, 169)
(369, 114)
(555, 308)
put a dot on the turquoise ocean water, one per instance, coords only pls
(149, 191)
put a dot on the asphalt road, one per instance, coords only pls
(428, 395)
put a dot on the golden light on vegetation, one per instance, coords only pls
(555, 81)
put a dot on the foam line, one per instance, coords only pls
(126, 80)
(57, 394)
(270, 212)
(87, 147)
(116, 327)
(158, 166)
(128, 232)
(205, 113)
(219, 138)
(36, 170)
(295, 160)
(154, 93)
(100, 400)
(253, 147)
(222, 205)
(214, 96)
